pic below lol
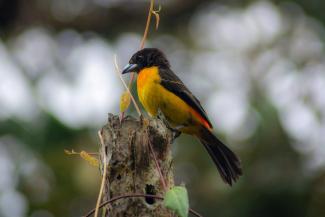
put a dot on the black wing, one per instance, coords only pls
(171, 82)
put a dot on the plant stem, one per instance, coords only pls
(136, 195)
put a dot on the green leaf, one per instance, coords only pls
(176, 199)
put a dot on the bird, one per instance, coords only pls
(161, 91)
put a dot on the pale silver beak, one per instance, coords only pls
(130, 68)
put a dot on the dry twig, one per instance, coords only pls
(100, 195)
(126, 87)
(145, 34)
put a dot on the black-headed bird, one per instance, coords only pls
(161, 91)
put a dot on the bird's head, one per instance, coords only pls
(145, 58)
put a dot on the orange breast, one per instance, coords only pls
(147, 85)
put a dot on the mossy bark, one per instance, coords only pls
(131, 166)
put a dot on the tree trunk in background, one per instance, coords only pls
(131, 166)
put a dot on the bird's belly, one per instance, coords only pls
(175, 110)
(149, 98)
(154, 97)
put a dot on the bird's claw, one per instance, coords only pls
(176, 132)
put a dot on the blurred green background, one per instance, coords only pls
(257, 66)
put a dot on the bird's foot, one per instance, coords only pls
(176, 133)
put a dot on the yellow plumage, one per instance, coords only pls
(155, 97)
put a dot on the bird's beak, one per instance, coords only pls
(130, 68)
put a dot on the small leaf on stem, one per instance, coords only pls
(90, 159)
(176, 199)
(125, 101)
(85, 155)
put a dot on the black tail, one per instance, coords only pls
(226, 161)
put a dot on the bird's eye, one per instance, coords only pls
(140, 58)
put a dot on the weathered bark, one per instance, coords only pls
(131, 166)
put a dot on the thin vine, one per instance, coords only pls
(134, 196)
(100, 195)
(144, 38)
(163, 182)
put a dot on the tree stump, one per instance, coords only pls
(131, 167)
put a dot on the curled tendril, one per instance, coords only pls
(156, 13)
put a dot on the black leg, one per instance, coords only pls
(176, 132)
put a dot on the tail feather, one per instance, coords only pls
(228, 164)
